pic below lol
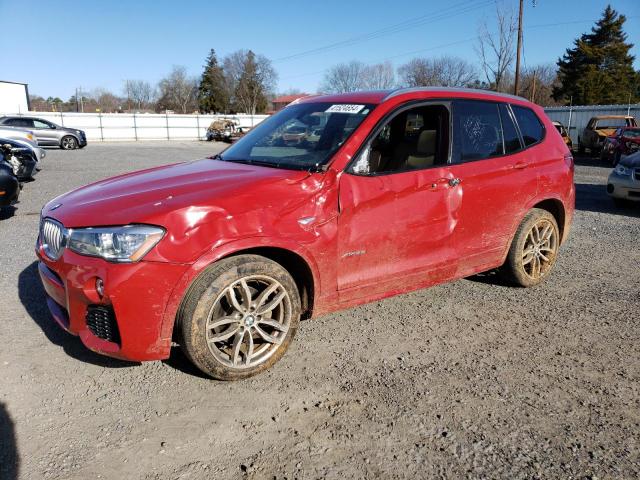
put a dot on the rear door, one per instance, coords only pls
(496, 180)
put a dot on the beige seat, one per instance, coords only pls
(425, 151)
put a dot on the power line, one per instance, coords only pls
(467, 40)
(449, 12)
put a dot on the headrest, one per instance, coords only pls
(426, 143)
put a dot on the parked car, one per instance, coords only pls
(624, 181)
(48, 134)
(38, 153)
(562, 130)
(226, 255)
(599, 128)
(21, 158)
(9, 183)
(24, 136)
(623, 141)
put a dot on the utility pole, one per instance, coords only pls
(519, 47)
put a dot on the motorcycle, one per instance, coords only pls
(10, 186)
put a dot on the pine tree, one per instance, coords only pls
(599, 69)
(213, 96)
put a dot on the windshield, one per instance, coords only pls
(302, 136)
(631, 133)
(611, 123)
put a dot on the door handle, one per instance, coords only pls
(445, 183)
(521, 165)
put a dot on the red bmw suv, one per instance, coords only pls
(397, 190)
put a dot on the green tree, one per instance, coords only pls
(213, 95)
(598, 70)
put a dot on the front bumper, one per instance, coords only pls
(627, 187)
(136, 293)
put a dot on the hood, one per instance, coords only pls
(632, 161)
(155, 195)
(605, 132)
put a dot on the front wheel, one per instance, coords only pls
(534, 249)
(69, 143)
(239, 317)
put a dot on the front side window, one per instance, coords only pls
(414, 139)
(41, 124)
(477, 131)
(301, 137)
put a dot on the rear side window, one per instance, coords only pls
(477, 131)
(530, 125)
(511, 139)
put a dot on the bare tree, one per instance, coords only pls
(442, 72)
(378, 76)
(344, 77)
(139, 94)
(537, 84)
(177, 91)
(497, 50)
(251, 79)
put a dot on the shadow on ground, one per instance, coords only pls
(593, 198)
(9, 458)
(179, 361)
(33, 299)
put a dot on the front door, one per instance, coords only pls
(399, 202)
(45, 132)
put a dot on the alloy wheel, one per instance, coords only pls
(540, 249)
(248, 321)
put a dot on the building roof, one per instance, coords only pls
(289, 98)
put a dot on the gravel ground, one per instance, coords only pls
(470, 379)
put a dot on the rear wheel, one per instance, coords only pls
(69, 143)
(534, 249)
(239, 317)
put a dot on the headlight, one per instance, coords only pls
(622, 170)
(117, 244)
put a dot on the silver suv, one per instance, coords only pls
(47, 133)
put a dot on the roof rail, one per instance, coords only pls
(400, 91)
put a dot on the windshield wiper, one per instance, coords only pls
(217, 156)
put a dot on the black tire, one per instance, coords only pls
(615, 158)
(621, 202)
(68, 142)
(207, 294)
(514, 270)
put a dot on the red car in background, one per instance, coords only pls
(624, 141)
(402, 190)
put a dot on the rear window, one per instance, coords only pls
(530, 125)
(477, 131)
(611, 123)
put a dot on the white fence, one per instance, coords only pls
(142, 126)
(576, 118)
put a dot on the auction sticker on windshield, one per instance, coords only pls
(344, 108)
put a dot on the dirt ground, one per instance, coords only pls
(470, 379)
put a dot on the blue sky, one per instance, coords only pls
(66, 44)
